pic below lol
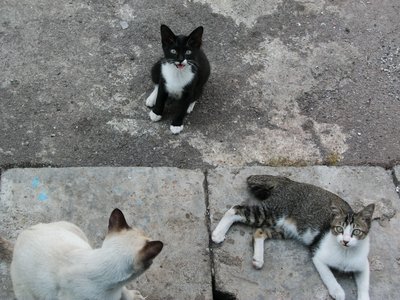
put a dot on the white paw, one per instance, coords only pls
(217, 237)
(337, 293)
(191, 107)
(257, 263)
(133, 295)
(151, 100)
(154, 117)
(176, 129)
(363, 296)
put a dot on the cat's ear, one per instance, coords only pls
(150, 250)
(195, 38)
(167, 36)
(117, 221)
(367, 212)
(336, 209)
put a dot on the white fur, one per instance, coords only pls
(290, 231)
(354, 258)
(308, 236)
(258, 257)
(230, 217)
(176, 129)
(154, 117)
(55, 261)
(176, 79)
(151, 100)
(191, 107)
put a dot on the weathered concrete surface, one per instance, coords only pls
(167, 203)
(293, 82)
(288, 272)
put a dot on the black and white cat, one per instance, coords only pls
(180, 75)
(56, 261)
(337, 237)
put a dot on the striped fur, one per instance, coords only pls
(335, 234)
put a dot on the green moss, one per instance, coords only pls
(332, 159)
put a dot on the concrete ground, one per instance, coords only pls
(294, 83)
(181, 207)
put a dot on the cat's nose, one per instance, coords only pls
(181, 59)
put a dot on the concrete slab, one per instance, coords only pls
(167, 203)
(293, 82)
(288, 272)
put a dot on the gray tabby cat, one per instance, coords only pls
(337, 236)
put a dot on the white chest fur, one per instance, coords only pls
(176, 79)
(345, 259)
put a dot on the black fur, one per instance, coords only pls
(197, 61)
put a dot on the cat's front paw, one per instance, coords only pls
(217, 237)
(337, 293)
(176, 129)
(154, 117)
(362, 295)
(132, 295)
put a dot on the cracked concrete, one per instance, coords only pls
(292, 83)
(181, 207)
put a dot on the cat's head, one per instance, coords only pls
(181, 50)
(350, 228)
(130, 242)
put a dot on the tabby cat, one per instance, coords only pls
(180, 75)
(337, 237)
(55, 261)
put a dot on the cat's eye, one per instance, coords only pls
(339, 229)
(173, 51)
(188, 52)
(356, 232)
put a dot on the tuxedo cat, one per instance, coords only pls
(337, 237)
(180, 75)
(55, 261)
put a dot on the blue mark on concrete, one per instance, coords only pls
(139, 202)
(43, 196)
(35, 182)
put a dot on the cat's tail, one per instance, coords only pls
(6, 250)
(261, 186)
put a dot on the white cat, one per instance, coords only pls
(55, 261)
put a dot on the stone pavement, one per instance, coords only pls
(180, 207)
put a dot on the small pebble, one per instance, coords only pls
(124, 24)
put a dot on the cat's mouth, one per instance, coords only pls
(180, 66)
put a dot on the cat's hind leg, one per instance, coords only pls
(161, 96)
(259, 236)
(191, 107)
(230, 217)
(151, 100)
